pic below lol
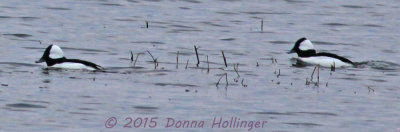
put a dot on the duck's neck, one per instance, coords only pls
(306, 53)
(51, 62)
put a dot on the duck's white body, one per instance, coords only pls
(72, 66)
(324, 61)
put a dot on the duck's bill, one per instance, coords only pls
(40, 60)
(291, 51)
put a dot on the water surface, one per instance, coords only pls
(365, 98)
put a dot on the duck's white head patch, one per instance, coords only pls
(56, 52)
(306, 45)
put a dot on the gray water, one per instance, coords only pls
(363, 98)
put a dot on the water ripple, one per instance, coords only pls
(273, 113)
(260, 13)
(318, 113)
(372, 25)
(227, 39)
(175, 84)
(323, 43)
(148, 42)
(133, 1)
(19, 35)
(353, 6)
(304, 124)
(82, 49)
(110, 4)
(19, 64)
(192, 1)
(335, 24)
(146, 109)
(379, 65)
(25, 105)
(125, 19)
(57, 8)
(281, 42)
(226, 13)
(5, 17)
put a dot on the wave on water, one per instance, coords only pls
(379, 65)
(17, 64)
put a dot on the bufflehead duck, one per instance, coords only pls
(306, 52)
(54, 57)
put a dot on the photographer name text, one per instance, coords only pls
(169, 122)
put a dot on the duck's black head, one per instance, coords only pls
(303, 47)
